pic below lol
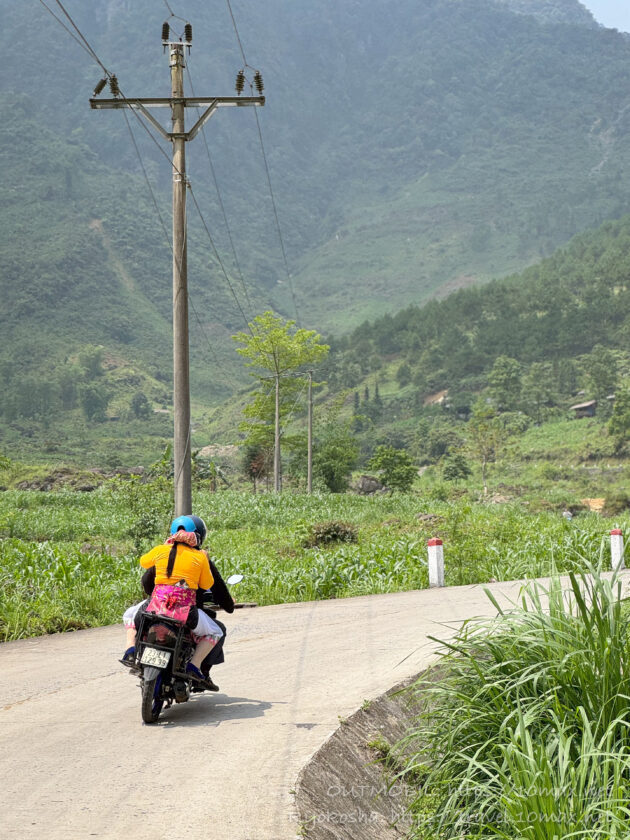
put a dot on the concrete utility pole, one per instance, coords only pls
(178, 137)
(309, 476)
(276, 448)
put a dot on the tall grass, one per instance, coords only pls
(526, 732)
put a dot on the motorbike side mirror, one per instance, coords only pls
(233, 579)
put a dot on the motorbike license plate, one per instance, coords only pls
(156, 658)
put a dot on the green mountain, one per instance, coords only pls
(414, 148)
(563, 326)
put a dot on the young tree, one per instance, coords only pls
(485, 437)
(395, 465)
(256, 462)
(279, 352)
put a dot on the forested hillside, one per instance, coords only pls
(414, 149)
(558, 329)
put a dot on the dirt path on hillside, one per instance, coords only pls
(77, 762)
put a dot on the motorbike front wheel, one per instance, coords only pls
(151, 702)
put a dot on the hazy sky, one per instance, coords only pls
(612, 13)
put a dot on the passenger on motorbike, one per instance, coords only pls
(221, 597)
(181, 568)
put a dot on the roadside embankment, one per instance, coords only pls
(348, 791)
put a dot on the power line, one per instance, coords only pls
(221, 204)
(69, 31)
(85, 45)
(275, 213)
(83, 38)
(217, 256)
(238, 37)
(170, 246)
(264, 154)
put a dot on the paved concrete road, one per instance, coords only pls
(77, 762)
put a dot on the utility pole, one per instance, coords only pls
(181, 362)
(276, 448)
(309, 476)
(179, 137)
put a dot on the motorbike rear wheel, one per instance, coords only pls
(151, 702)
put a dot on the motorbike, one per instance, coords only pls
(164, 646)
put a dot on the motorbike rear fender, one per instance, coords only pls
(149, 672)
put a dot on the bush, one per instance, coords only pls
(617, 502)
(325, 533)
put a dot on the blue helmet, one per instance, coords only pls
(194, 524)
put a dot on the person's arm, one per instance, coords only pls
(220, 592)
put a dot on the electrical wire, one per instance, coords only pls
(217, 256)
(264, 154)
(220, 198)
(289, 416)
(83, 38)
(169, 243)
(69, 31)
(123, 98)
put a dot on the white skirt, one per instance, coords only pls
(205, 628)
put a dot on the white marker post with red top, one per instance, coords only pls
(436, 562)
(616, 550)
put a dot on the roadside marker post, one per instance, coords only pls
(436, 562)
(616, 550)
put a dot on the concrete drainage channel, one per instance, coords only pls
(345, 792)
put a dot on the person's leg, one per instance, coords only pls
(204, 646)
(208, 633)
(129, 620)
(215, 657)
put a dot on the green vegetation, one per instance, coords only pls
(502, 135)
(283, 351)
(69, 559)
(525, 725)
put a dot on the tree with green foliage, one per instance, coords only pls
(505, 383)
(600, 367)
(335, 449)
(485, 437)
(335, 456)
(140, 406)
(456, 468)
(619, 423)
(91, 361)
(403, 375)
(274, 346)
(396, 467)
(537, 390)
(94, 398)
(439, 439)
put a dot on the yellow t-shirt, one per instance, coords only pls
(191, 564)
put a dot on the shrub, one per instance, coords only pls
(325, 533)
(617, 502)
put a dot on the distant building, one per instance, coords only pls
(585, 409)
